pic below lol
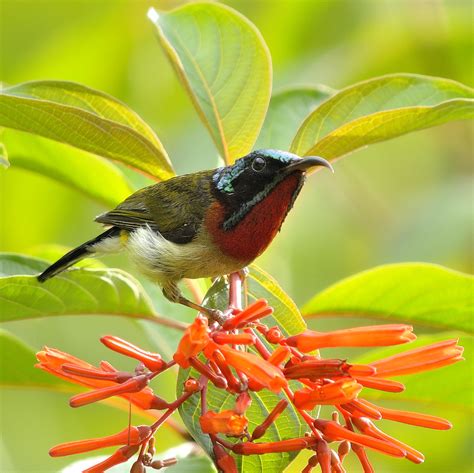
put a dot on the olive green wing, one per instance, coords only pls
(175, 208)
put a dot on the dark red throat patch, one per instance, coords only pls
(251, 236)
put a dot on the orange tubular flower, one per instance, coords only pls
(340, 392)
(53, 361)
(258, 310)
(119, 456)
(225, 422)
(128, 436)
(420, 359)
(195, 338)
(256, 368)
(335, 431)
(411, 418)
(371, 336)
(152, 361)
(368, 427)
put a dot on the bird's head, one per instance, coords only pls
(248, 181)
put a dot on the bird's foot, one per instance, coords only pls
(216, 315)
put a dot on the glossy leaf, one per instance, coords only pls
(379, 109)
(260, 285)
(86, 119)
(4, 162)
(286, 111)
(224, 64)
(418, 293)
(92, 175)
(451, 386)
(74, 292)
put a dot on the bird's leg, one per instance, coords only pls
(172, 292)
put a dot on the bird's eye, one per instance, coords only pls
(258, 164)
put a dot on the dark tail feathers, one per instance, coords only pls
(76, 255)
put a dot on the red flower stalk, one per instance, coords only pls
(128, 436)
(195, 338)
(258, 310)
(256, 368)
(224, 461)
(323, 454)
(53, 361)
(226, 422)
(242, 403)
(290, 445)
(152, 361)
(218, 381)
(420, 359)
(334, 431)
(339, 392)
(372, 336)
(120, 456)
(260, 430)
(362, 456)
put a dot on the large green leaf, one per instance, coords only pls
(286, 111)
(92, 175)
(74, 292)
(224, 64)
(418, 293)
(87, 119)
(288, 425)
(380, 109)
(451, 386)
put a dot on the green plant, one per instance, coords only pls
(231, 92)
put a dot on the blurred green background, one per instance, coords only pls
(410, 199)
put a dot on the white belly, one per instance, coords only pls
(163, 260)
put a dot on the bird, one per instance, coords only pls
(200, 225)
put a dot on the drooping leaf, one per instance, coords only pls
(379, 109)
(224, 64)
(286, 111)
(87, 119)
(417, 293)
(189, 461)
(92, 175)
(451, 386)
(17, 366)
(288, 425)
(74, 292)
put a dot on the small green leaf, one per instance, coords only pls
(74, 292)
(286, 111)
(225, 66)
(450, 386)
(92, 175)
(288, 424)
(379, 109)
(87, 119)
(417, 293)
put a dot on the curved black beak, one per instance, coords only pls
(308, 162)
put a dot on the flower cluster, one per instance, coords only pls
(243, 355)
